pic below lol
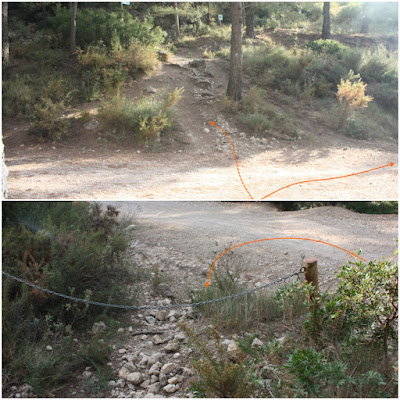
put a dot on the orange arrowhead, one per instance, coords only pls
(391, 164)
(212, 122)
(207, 284)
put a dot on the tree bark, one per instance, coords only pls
(326, 25)
(234, 90)
(250, 20)
(177, 30)
(74, 6)
(5, 42)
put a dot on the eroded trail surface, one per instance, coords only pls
(197, 162)
(152, 357)
(184, 238)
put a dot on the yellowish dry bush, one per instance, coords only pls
(351, 94)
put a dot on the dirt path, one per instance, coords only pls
(197, 163)
(184, 238)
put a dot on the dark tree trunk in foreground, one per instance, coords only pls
(177, 30)
(235, 74)
(326, 25)
(250, 20)
(74, 6)
(5, 43)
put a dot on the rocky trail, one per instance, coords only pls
(197, 162)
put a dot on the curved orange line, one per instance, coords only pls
(286, 238)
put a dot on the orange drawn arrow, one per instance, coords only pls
(328, 179)
(296, 183)
(284, 238)
(234, 153)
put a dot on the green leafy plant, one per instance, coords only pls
(314, 372)
(328, 46)
(142, 121)
(368, 296)
(219, 376)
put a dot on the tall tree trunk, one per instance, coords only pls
(208, 14)
(177, 30)
(326, 25)
(5, 43)
(234, 90)
(365, 25)
(250, 20)
(365, 19)
(74, 6)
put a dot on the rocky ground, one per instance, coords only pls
(172, 247)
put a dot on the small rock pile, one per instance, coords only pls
(22, 391)
(154, 361)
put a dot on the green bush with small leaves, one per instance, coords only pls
(142, 121)
(328, 46)
(73, 248)
(95, 26)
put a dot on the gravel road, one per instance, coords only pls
(184, 238)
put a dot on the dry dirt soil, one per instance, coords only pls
(197, 162)
(184, 238)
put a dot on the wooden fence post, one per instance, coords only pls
(311, 276)
(311, 273)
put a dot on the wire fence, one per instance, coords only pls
(156, 307)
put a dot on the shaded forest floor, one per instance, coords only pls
(196, 162)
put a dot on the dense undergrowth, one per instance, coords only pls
(72, 248)
(43, 82)
(312, 75)
(338, 343)
(142, 121)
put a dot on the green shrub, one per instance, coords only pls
(98, 25)
(349, 332)
(373, 70)
(379, 65)
(328, 46)
(219, 376)
(315, 374)
(138, 58)
(256, 122)
(18, 95)
(238, 313)
(299, 73)
(348, 12)
(45, 370)
(47, 122)
(363, 310)
(99, 73)
(353, 128)
(103, 70)
(352, 59)
(77, 253)
(73, 249)
(142, 121)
